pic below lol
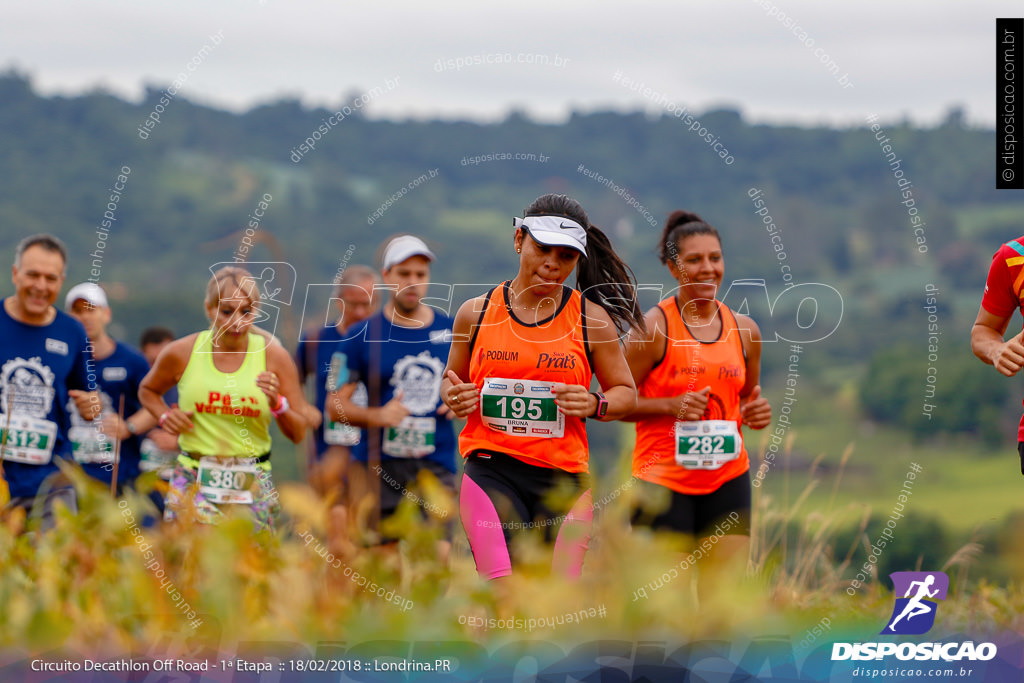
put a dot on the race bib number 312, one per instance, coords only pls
(521, 408)
(27, 439)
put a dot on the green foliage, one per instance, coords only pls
(965, 397)
(888, 388)
(917, 542)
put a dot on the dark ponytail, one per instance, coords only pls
(601, 276)
(679, 226)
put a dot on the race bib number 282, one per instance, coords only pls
(707, 444)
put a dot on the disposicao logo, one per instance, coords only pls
(914, 613)
(917, 594)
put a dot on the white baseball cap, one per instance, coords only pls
(89, 291)
(555, 231)
(404, 247)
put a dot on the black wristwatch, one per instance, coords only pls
(602, 405)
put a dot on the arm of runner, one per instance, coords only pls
(340, 408)
(81, 390)
(282, 379)
(164, 374)
(643, 352)
(611, 370)
(163, 439)
(116, 427)
(988, 344)
(306, 366)
(88, 403)
(453, 385)
(755, 410)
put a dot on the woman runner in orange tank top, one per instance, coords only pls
(520, 369)
(697, 372)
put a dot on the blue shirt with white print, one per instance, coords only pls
(117, 375)
(38, 365)
(388, 357)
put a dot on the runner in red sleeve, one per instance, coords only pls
(1001, 299)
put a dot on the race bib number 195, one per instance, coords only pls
(521, 407)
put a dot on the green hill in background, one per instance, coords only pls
(194, 181)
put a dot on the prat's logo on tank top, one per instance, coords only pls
(715, 409)
(730, 371)
(556, 360)
(223, 404)
(419, 378)
(27, 387)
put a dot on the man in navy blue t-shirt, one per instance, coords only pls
(43, 365)
(400, 354)
(320, 354)
(119, 370)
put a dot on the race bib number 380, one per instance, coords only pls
(27, 439)
(521, 408)
(226, 483)
(707, 444)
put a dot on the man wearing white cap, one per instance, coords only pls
(43, 355)
(119, 370)
(400, 354)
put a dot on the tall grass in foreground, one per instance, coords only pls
(796, 557)
(86, 585)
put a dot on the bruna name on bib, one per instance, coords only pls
(521, 407)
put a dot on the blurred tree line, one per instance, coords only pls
(197, 178)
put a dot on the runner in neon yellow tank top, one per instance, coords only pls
(223, 420)
(231, 383)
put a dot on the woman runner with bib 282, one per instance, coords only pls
(232, 381)
(520, 369)
(697, 371)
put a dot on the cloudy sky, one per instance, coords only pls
(460, 59)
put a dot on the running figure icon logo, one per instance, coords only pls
(914, 613)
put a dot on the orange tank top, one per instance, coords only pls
(514, 363)
(704, 446)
